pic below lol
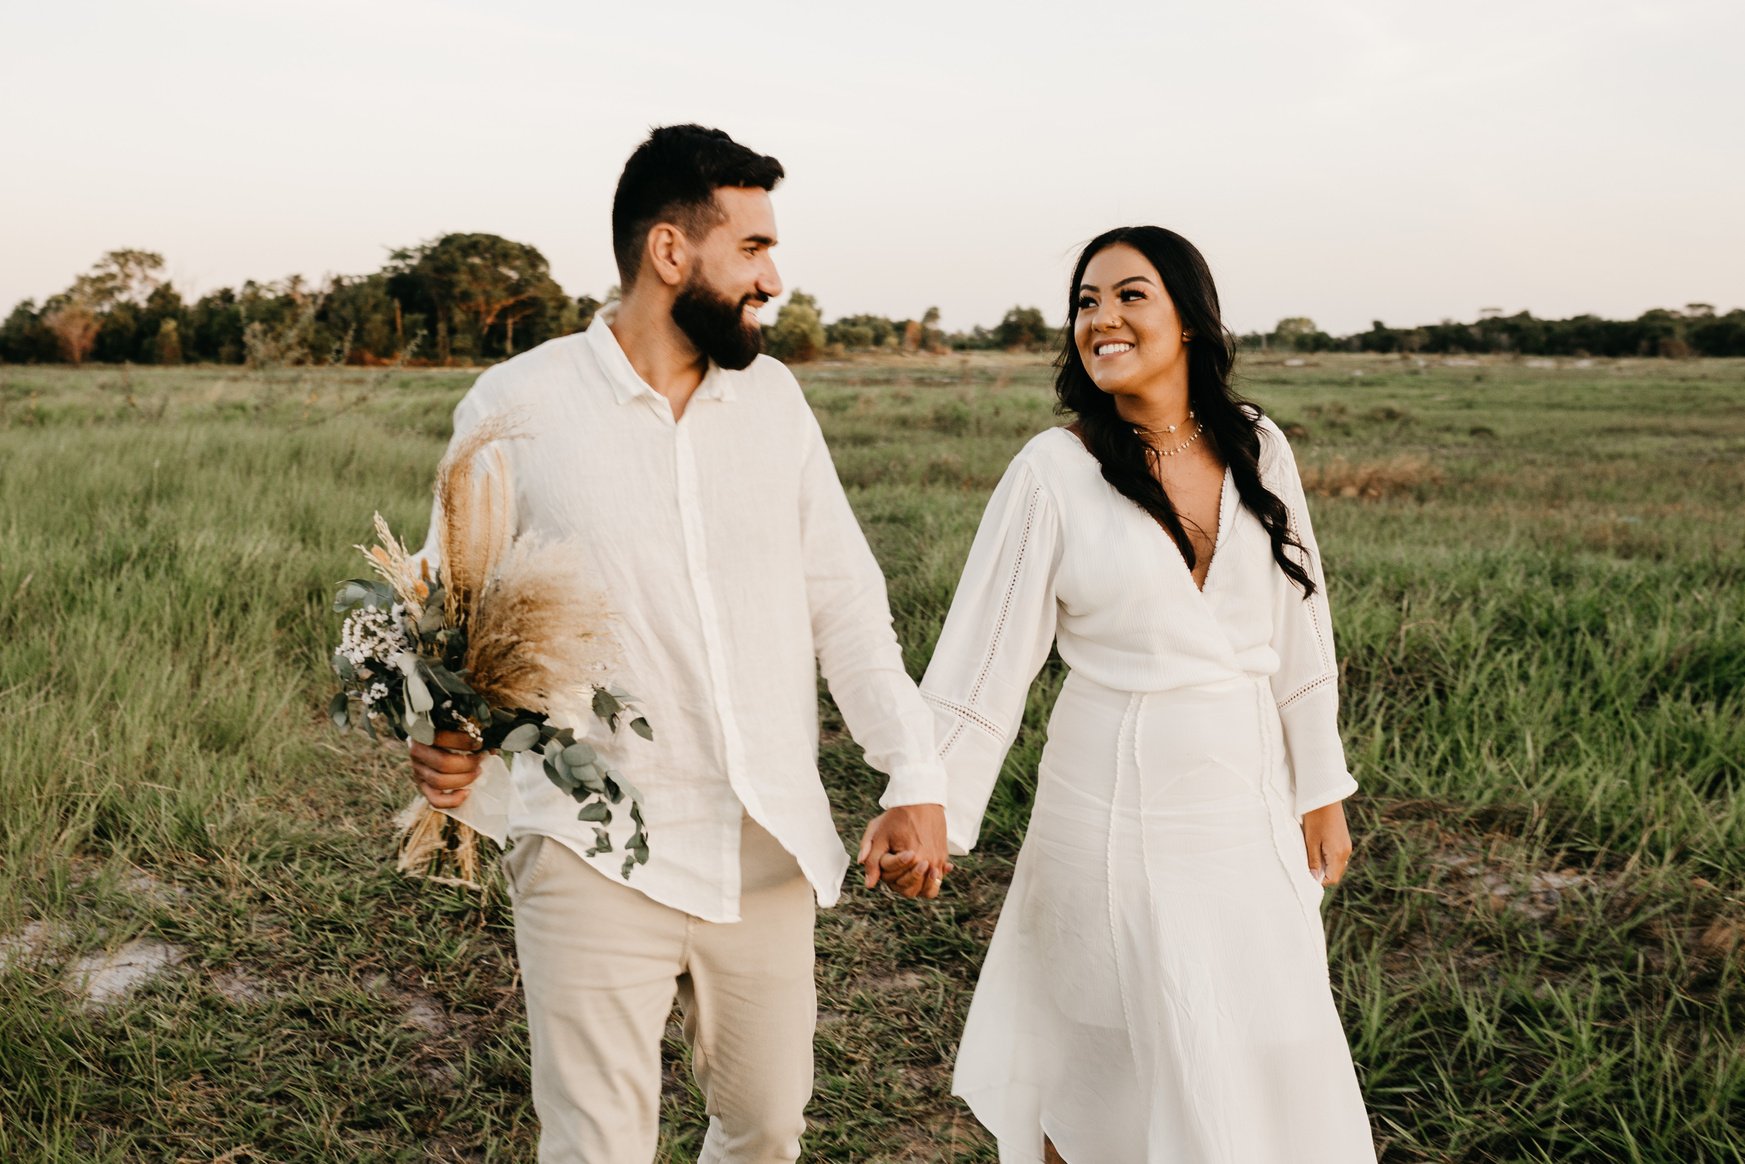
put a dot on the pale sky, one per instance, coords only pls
(1407, 160)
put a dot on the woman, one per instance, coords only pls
(1157, 987)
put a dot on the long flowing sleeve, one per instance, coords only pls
(996, 638)
(1306, 685)
(857, 648)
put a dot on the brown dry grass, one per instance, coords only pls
(1371, 480)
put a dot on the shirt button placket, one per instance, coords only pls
(690, 496)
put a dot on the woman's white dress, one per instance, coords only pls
(1156, 990)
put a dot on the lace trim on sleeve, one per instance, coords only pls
(1323, 651)
(965, 715)
(1311, 686)
(968, 714)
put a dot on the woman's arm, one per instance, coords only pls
(995, 639)
(1306, 685)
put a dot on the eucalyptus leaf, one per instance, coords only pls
(631, 789)
(349, 595)
(446, 680)
(343, 667)
(338, 709)
(521, 738)
(606, 705)
(420, 728)
(595, 811)
(640, 726)
(559, 774)
(417, 694)
(356, 592)
(579, 753)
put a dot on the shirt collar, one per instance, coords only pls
(627, 385)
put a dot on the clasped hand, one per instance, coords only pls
(905, 848)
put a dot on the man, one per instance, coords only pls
(696, 476)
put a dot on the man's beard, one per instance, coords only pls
(718, 327)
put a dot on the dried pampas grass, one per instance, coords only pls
(477, 506)
(437, 847)
(538, 629)
(392, 562)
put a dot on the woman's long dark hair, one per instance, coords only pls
(1231, 422)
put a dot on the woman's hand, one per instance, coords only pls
(1328, 842)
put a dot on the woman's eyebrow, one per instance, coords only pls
(1129, 279)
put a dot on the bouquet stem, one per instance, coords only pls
(435, 846)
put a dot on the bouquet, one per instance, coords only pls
(505, 632)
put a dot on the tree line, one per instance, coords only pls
(473, 298)
(1697, 330)
(455, 300)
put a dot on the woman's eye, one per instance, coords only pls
(1130, 295)
(1086, 303)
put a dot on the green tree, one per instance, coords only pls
(1295, 333)
(798, 334)
(215, 327)
(356, 320)
(1022, 329)
(864, 331)
(477, 288)
(125, 276)
(24, 339)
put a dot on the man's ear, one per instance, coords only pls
(668, 254)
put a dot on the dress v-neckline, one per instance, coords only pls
(1217, 535)
(1224, 481)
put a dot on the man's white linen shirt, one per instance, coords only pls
(735, 571)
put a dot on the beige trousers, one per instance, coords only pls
(601, 965)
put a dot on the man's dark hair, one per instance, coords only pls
(672, 177)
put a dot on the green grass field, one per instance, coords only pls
(1538, 582)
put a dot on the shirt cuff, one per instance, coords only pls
(1321, 796)
(1318, 772)
(915, 784)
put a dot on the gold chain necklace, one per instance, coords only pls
(1165, 429)
(1157, 452)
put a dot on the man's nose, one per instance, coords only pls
(770, 283)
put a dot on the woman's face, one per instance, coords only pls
(1127, 331)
